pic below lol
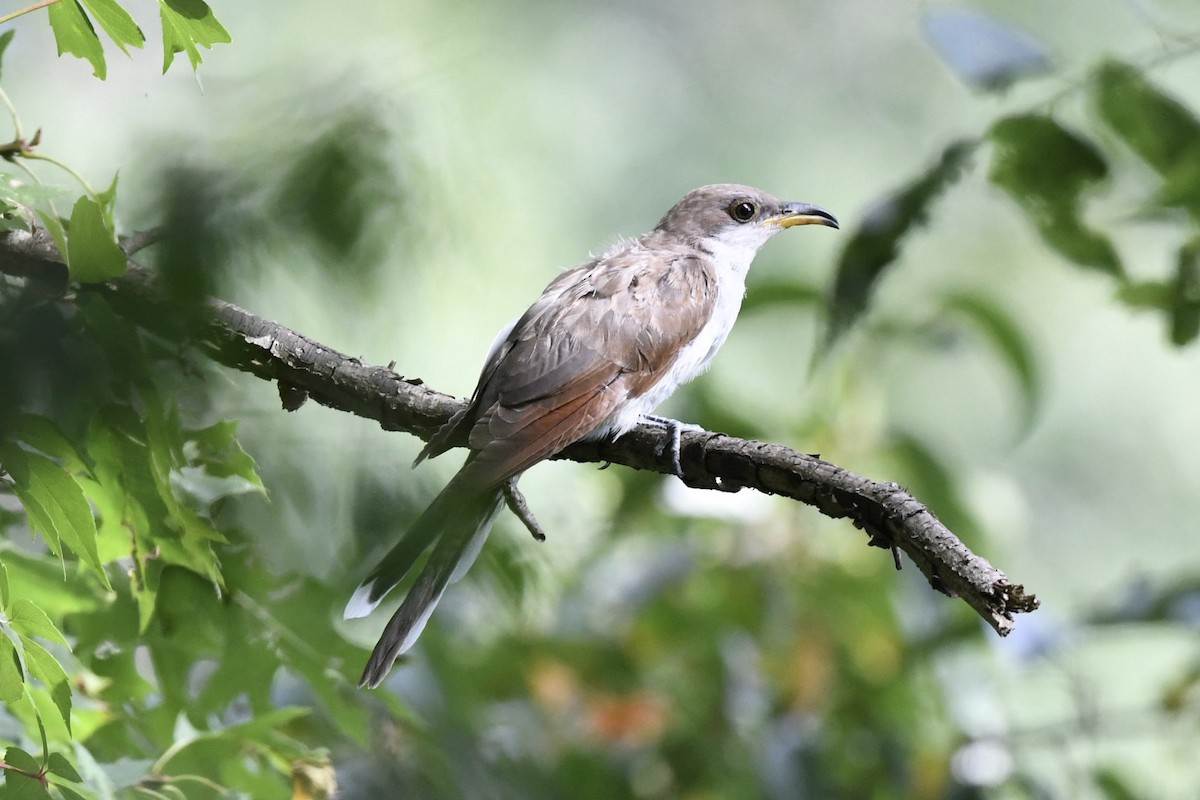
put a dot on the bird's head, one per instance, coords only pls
(737, 216)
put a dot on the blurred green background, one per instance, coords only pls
(399, 180)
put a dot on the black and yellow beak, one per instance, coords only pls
(803, 214)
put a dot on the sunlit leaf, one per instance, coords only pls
(188, 25)
(93, 255)
(39, 578)
(1009, 340)
(1046, 169)
(12, 679)
(313, 781)
(876, 242)
(5, 40)
(46, 669)
(29, 620)
(1160, 129)
(116, 22)
(983, 51)
(74, 34)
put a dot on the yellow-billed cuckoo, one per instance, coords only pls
(605, 343)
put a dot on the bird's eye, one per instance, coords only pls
(742, 210)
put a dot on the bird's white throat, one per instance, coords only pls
(731, 254)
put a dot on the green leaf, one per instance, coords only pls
(28, 619)
(1160, 129)
(68, 793)
(3, 586)
(57, 764)
(46, 669)
(108, 202)
(1178, 299)
(63, 506)
(43, 434)
(1112, 785)
(57, 232)
(12, 679)
(5, 40)
(116, 22)
(93, 255)
(22, 192)
(74, 34)
(13, 218)
(186, 24)
(19, 786)
(1185, 292)
(144, 585)
(1154, 295)
(39, 578)
(217, 450)
(1005, 334)
(1045, 169)
(37, 715)
(876, 242)
(21, 760)
(15, 461)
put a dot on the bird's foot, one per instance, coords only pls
(675, 428)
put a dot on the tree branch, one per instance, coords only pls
(892, 518)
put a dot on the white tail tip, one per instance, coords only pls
(360, 603)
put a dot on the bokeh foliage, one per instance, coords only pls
(156, 643)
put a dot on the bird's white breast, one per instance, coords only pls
(732, 262)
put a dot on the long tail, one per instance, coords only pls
(461, 516)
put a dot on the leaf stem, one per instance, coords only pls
(24, 11)
(87, 187)
(40, 777)
(18, 133)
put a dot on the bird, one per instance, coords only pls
(605, 343)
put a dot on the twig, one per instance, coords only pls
(141, 240)
(27, 10)
(516, 504)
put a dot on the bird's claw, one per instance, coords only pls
(675, 428)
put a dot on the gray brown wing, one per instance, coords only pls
(599, 335)
(456, 430)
